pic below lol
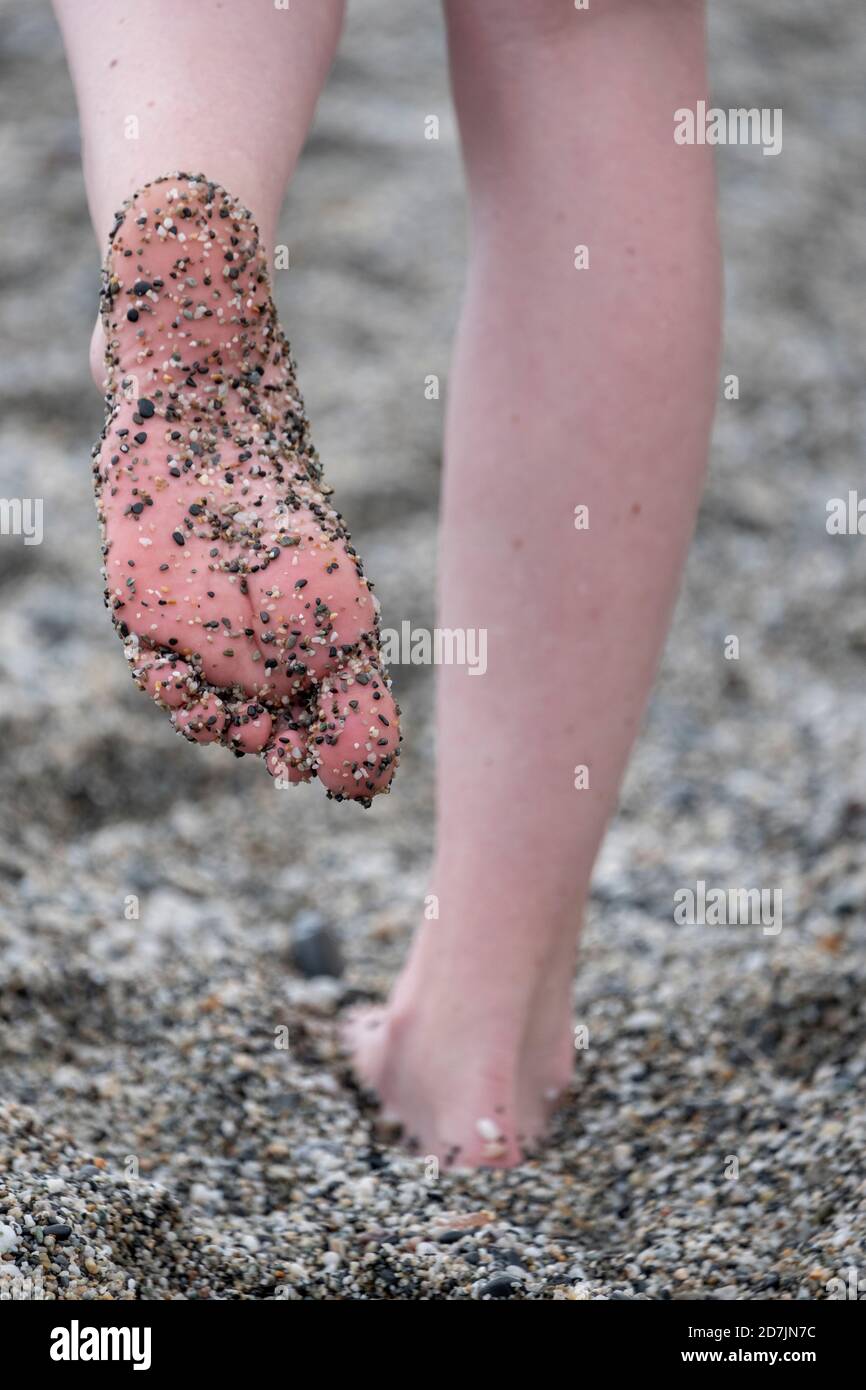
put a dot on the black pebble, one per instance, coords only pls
(315, 949)
(140, 438)
(141, 287)
(177, 536)
(500, 1287)
(132, 315)
(146, 408)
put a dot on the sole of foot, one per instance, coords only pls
(230, 576)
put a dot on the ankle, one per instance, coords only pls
(524, 954)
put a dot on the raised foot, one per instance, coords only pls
(243, 607)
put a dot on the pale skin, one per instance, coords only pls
(572, 387)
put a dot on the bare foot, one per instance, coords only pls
(231, 578)
(469, 1066)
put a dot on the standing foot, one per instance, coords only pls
(469, 1065)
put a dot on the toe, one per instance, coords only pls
(250, 728)
(168, 680)
(357, 733)
(203, 721)
(288, 759)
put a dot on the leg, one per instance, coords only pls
(224, 88)
(571, 386)
(241, 604)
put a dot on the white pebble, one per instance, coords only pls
(8, 1239)
(488, 1129)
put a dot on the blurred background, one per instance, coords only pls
(156, 900)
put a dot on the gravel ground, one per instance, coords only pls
(174, 1120)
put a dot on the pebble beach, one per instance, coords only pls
(179, 936)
